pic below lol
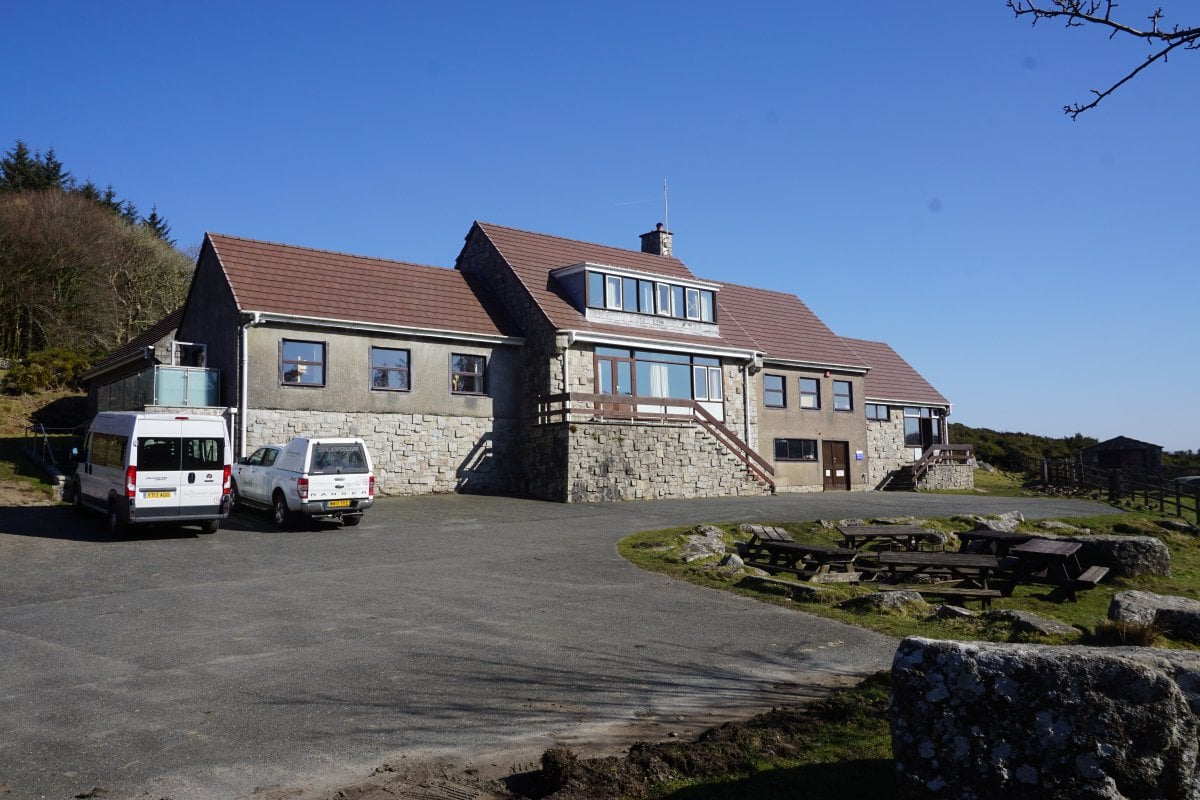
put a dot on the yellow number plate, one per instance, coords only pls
(338, 504)
(156, 494)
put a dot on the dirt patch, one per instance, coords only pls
(14, 494)
(733, 747)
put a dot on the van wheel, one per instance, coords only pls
(351, 519)
(77, 498)
(116, 526)
(284, 519)
(210, 526)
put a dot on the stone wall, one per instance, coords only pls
(1039, 722)
(948, 476)
(412, 453)
(638, 461)
(885, 448)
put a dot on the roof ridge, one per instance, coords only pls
(572, 241)
(327, 251)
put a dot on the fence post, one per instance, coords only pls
(1114, 486)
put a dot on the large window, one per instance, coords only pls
(389, 370)
(879, 411)
(643, 296)
(810, 393)
(843, 397)
(922, 427)
(466, 374)
(302, 363)
(646, 373)
(774, 392)
(795, 450)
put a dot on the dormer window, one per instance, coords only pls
(616, 290)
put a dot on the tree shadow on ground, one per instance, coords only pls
(863, 779)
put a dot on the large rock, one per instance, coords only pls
(1006, 522)
(894, 600)
(1127, 556)
(1178, 617)
(984, 721)
(1029, 622)
(707, 541)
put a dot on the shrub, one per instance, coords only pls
(44, 370)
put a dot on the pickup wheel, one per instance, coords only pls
(235, 497)
(351, 519)
(284, 518)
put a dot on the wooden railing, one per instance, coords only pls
(942, 454)
(579, 407)
(1167, 494)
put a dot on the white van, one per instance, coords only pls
(144, 468)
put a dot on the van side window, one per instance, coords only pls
(108, 450)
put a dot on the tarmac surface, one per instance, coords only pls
(256, 663)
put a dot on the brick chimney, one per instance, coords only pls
(657, 241)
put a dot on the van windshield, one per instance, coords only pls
(330, 458)
(180, 453)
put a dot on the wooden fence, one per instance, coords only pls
(1155, 491)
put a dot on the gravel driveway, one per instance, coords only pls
(189, 666)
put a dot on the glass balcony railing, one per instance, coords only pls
(162, 386)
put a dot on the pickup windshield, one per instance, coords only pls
(330, 459)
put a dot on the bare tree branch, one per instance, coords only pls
(1078, 13)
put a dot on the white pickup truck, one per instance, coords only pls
(313, 478)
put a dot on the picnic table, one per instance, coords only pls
(906, 537)
(1055, 562)
(996, 543)
(818, 562)
(975, 569)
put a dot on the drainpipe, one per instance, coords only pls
(566, 370)
(243, 380)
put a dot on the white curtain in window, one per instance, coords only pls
(658, 380)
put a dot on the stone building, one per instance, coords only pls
(546, 366)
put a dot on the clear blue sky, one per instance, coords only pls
(905, 168)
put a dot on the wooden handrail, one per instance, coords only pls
(942, 454)
(558, 407)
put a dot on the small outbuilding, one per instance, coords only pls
(1123, 453)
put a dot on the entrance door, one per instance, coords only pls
(614, 377)
(835, 460)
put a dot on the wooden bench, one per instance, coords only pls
(1089, 578)
(960, 593)
(759, 536)
(816, 562)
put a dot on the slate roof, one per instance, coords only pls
(160, 330)
(285, 279)
(892, 378)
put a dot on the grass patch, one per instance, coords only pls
(658, 551)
